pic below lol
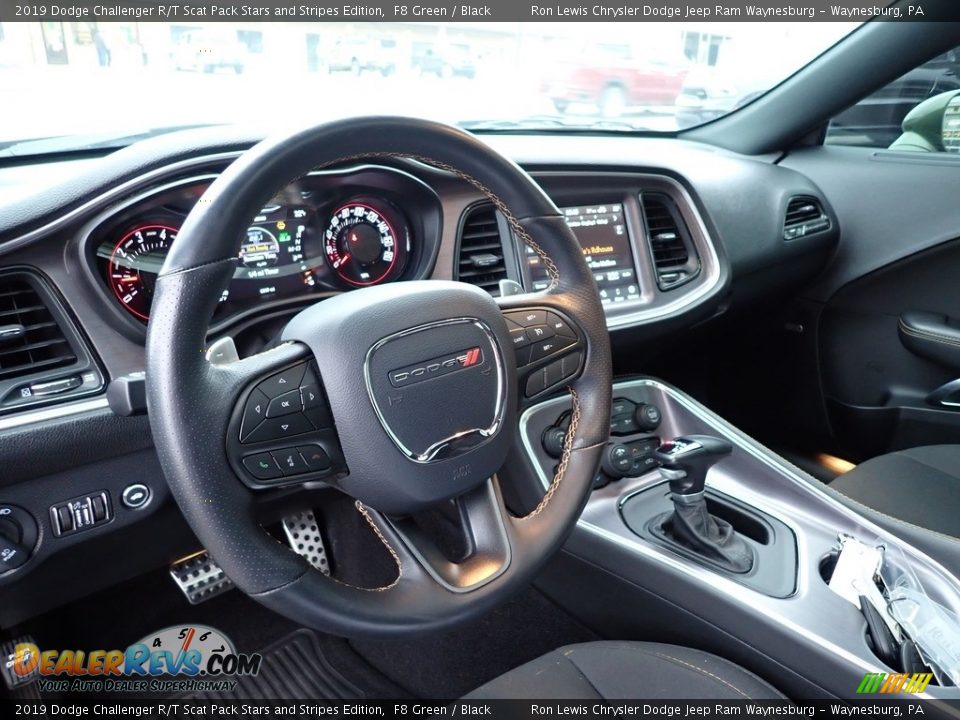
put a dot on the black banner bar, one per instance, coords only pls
(487, 11)
(499, 709)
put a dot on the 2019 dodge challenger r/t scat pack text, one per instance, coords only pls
(512, 368)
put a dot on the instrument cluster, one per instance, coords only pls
(329, 232)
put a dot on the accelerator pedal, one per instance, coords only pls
(303, 534)
(199, 577)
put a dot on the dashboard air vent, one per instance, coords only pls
(805, 216)
(674, 256)
(30, 338)
(481, 259)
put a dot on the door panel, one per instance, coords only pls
(889, 330)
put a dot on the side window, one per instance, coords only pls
(919, 112)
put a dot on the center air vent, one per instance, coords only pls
(42, 357)
(481, 260)
(805, 216)
(674, 256)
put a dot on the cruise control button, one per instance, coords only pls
(518, 337)
(539, 332)
(527, 318)
(560, 326)
(285, 404)
(254, 413)
(262, 466)
(281, 427)
(311, 397)
(283, 382)
(543, 349)
(290, 461)
(315, 457)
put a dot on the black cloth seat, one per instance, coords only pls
(920, 486)
(621, 670)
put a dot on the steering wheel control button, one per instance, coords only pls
(262, 466)
(518, 336)
(553, 373)
(285, 404)
(280, 428)
(528, 318)
(81, 513)
(536, 333)
(254, 413)
(315, 457)
(289, 461)
(283, 382)
(560, 326)
(535, 384)
(135, 496)
(310, 396)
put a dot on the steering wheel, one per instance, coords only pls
(402, 396)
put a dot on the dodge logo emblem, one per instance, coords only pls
(436, 367)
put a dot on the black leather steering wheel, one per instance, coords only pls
(420, 380)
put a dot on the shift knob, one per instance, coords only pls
(685, 460)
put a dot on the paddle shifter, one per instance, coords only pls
(684, 462)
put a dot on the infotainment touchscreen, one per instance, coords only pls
(602, 233)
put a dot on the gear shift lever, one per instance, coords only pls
(684, 462)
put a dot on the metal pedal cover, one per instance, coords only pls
(303, 534)
(8, 657)
(199, 577)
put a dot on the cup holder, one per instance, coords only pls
(828, 563)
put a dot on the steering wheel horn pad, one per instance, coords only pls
(446, 440)
(392, 359)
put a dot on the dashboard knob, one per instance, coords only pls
(647, 417)
(552, 440)
(617, 461)
(13, 554)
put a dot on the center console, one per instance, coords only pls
(779, 603)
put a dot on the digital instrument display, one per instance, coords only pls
(289, 249)
(602, 233)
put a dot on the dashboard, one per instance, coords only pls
(675, 234)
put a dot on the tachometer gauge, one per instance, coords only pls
(135, 263)
(365, 245)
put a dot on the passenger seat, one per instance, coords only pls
(920, 486)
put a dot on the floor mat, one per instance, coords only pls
(292, 668)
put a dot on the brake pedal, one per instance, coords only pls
(199, 577)
(303, 534)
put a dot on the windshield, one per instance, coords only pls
(80, 85)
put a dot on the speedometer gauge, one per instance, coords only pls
(135, 263)
(364, 244)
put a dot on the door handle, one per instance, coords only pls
(932, 336)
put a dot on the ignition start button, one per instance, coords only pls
(135, 496)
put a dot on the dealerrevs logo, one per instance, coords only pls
(186, 650)
(436, 367)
